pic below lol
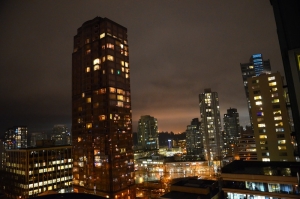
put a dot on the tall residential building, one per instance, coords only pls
(101, 110)
(254, 67)
(232, 123)
(16, 137)
(211, 125)
(147, 133)
(270, 118)
(193, 138)
(61, 135)
(35, 170)
(287, 18)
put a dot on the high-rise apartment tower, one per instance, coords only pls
(255, 67)
(270, 118)
(193, 138)
(211, 125)
(148, 133)
(101, 111)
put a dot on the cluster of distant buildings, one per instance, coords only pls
(270, 137)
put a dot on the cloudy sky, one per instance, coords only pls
(177, 49)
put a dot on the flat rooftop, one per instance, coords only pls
(274, 168)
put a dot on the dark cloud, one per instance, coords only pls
(177, 49)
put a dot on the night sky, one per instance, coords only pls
(176, 50)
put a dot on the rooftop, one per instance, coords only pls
(274, 168)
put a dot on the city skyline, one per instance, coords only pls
(169, 61)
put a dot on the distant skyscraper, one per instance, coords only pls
(232, 123)
(101, 110)
(193, 138)
(270, 118)
(211, 124)
(61, 135)
(34, 137)
(16, 137)
(148, 133)
(287, 17)
(255, 67)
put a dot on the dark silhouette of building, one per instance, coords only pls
(148, 133)
(101, 111)
(287, 17)
(194, 145)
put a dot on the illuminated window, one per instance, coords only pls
(126, 64)
(96, 61)
(281, 141)
(120, 104)
(110, 58)
(112, 90)
(103, 59)
(120, 97)
(274, 95)
(82, 95)
(262, 130)
(102, 35)
(126, 76)
(271, 78)
(281, 147)
(255, 81)
(112, 71)
(263, 142)
(261, 125)
(278, 118)
(109, 45)
(103, 90)
(260, 119)
(263, 136)
(277, 112)
(89, 125)
(258, 103)
(88, 69)
(88, 51)
(88, 100)
(266, 159)
(122, 150)
(97, 67)
(279, 130)
(264, 148)
(260, 113)
(257, 97)
(102, 117)
(265, 154)
(79, 139)
(273, 89)
(275, 101)
(279, 124)
(272, 84)
(250, 67)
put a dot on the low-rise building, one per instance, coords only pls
(261, 180)
(32, 171)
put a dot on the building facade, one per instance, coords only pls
(246, 145)
(211, 125)
(33, 171)
(147, 133)
(101, 110)
(34, 137)
(193, 138)
(270, 118)
(260, 180)
(16, 137)
(287, 18)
